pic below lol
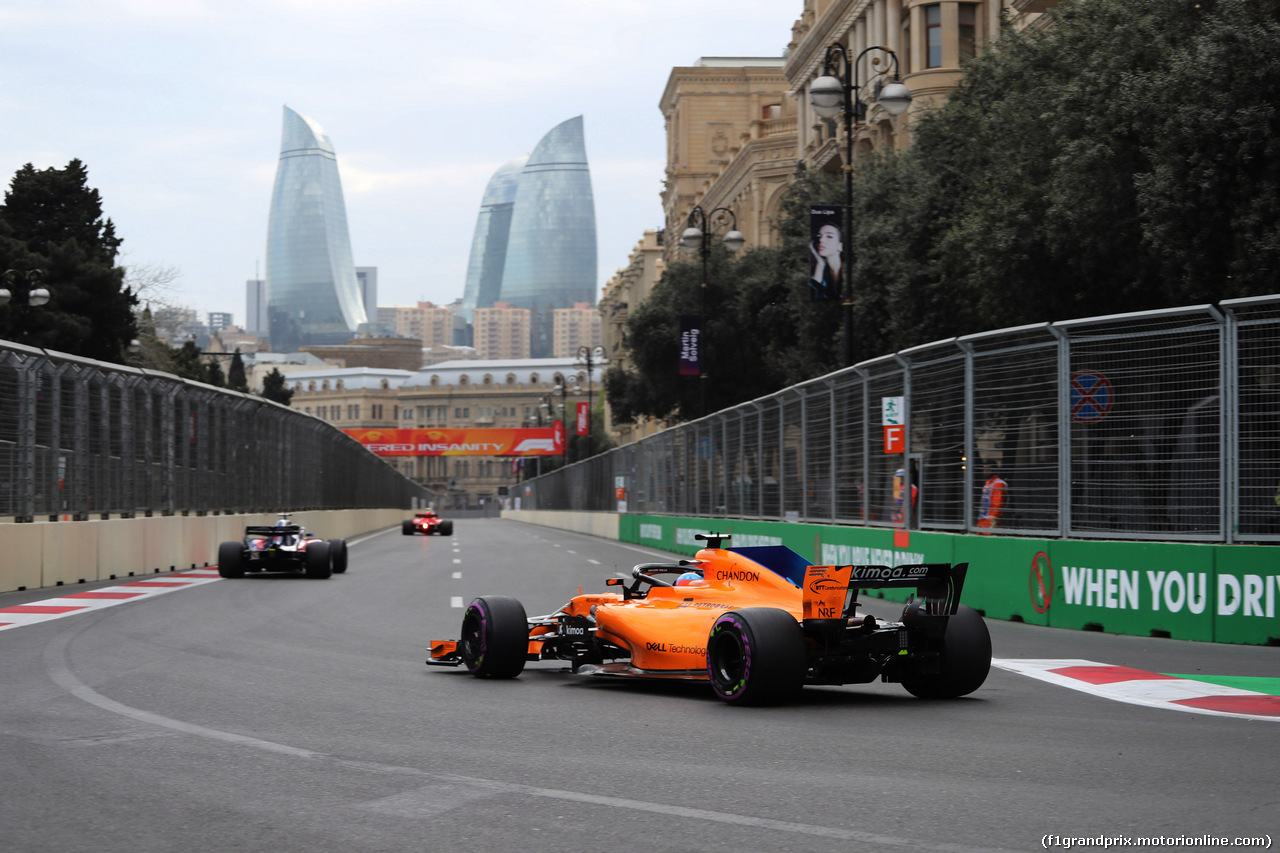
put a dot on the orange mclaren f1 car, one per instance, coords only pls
(758, 623)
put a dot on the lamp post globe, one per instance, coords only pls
(895, 97)
(826, 96)
(691, 239)
(734, 240)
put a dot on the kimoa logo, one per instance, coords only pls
(1170, 591)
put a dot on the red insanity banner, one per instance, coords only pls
(583, 422)
(461, 442)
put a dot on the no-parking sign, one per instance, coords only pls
(1091, 396)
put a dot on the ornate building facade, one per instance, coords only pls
(730, 143)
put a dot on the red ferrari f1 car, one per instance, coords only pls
(758, 623)
(426, 522)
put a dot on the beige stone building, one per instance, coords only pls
(349, 397)
(929, 39)
(730, 143)
(430, 323)
(487, 393)
(574, 328)
(502, 332)
(392, 353)
(630, 286)
(477, 394)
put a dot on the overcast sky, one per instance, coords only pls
(175, 107)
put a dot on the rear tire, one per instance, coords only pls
(495, 637)
(966, 659)
(446, 528)
(756, 656)
(406, 527)
(316, 560)
(231, 559)
(338, 555)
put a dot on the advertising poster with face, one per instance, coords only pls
(826, 251)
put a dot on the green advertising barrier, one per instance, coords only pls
(1150, 588)
(1246, 595)
(1222, 593)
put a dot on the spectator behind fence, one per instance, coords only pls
(993, 498)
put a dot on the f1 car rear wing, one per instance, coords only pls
(268, 530)
(831, 592)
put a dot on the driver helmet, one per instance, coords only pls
(284, 522)
(688, 578)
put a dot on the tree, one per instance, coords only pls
(762, 330)
(52, 220)
(187, 363)
(236, 379)
(213, 374)
(274, 388)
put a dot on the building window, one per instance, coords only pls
(933, 35)
(968, 31)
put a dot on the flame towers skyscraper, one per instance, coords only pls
(313, 296)
(539, 223)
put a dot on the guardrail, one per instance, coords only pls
(83, 440)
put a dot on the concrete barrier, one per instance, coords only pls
(60, 553)
(602, 524)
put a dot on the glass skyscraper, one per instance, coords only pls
(313, 296)
(489, 245)
(547, 252)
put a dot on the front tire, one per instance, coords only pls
(756, 656)
(966, 659)
(495, 637)
(231, 559)
(316, 561)
(338, 555)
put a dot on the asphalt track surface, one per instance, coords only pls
(285, 714)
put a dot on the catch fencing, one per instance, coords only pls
(83, 439)
(1161, 425)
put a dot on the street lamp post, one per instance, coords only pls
(830, 95)
(590, 357)
(697, 237)
(24, 288)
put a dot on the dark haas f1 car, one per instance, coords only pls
(426, 522)
(758, 623)
(282, 547)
